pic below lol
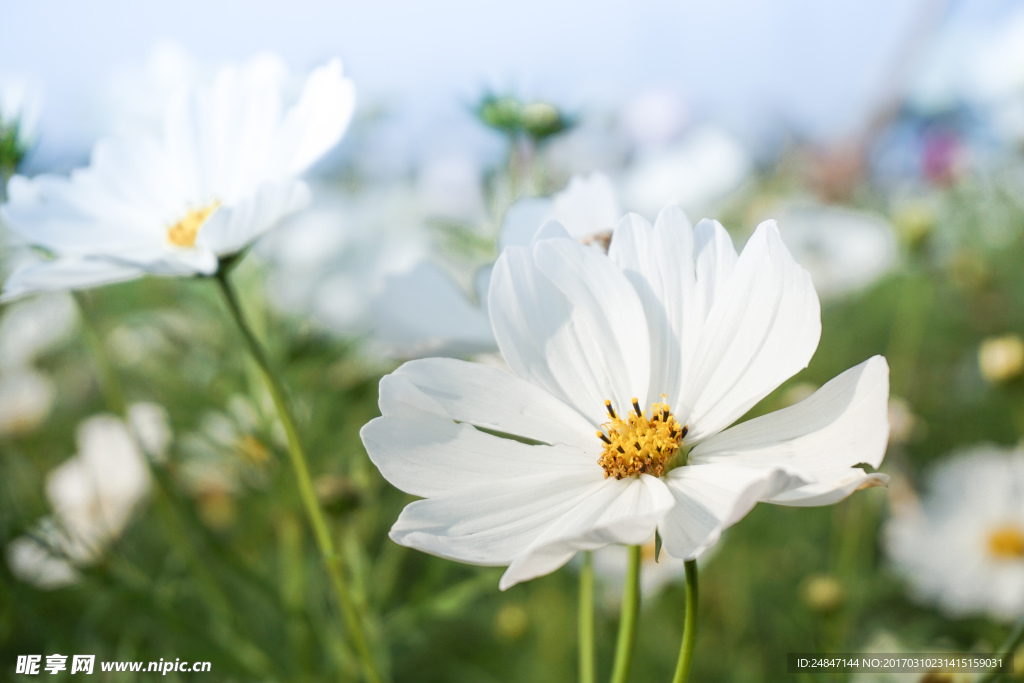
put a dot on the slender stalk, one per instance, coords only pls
(110, 387)
(297, 457)
(586, 619)
(1009, 646)
(627, 622)
(690, 627)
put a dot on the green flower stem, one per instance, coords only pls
(627, 622)
(690, 627)
(297, 457)
(110, 387)
(586, 619)
(1009, 646)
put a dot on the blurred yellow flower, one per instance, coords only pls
(1001, 359)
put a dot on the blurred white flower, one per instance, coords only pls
(423, 311)
(672, 317)
(93, 496)
(31, 329)
(35, 559)
(334, 258)
(221, 173)
(137, 96)
(843, 250)
(962, 546)
(152, 428)
(26, 398)
(700, 169)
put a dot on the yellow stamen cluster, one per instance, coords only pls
(639, 444)
(184, 232)
(1006, 543)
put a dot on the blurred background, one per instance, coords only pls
(887, 138)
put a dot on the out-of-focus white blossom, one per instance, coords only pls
(844, 250)
(223, 169)
(35, 559)
(26, 398)
(93, 496)
(700, 169)
(31, 329)
(333, 259)
(962, 546)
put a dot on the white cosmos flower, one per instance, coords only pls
(962, 546)
(844, 250)
(223, 172)
(514, 467)
(93, 496)
(703, 167)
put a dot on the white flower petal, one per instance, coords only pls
(317, 121)
(567, 320)
(659, 263)
(823, 437)
(489, 397)
(709, 498)
(623, 511)
(550, 230)
(231, 228)
(67, 273)
(492, 523)
(715, 260)
(762, 328)
(56, 213)
(32, 562)
(420, 449)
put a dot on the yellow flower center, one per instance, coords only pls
(184, 232)
(1006, 543)
(639, 444)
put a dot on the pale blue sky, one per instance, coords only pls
(819, 66)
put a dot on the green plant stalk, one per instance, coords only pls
(586, 619)
(690, 627)
(627, 622)
(297, 458)
(1009, 646)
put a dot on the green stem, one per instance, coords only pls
(586, 619)
(297, 457)
(690, 627)
(627, 622)
(110, 387)
(1009, 646)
